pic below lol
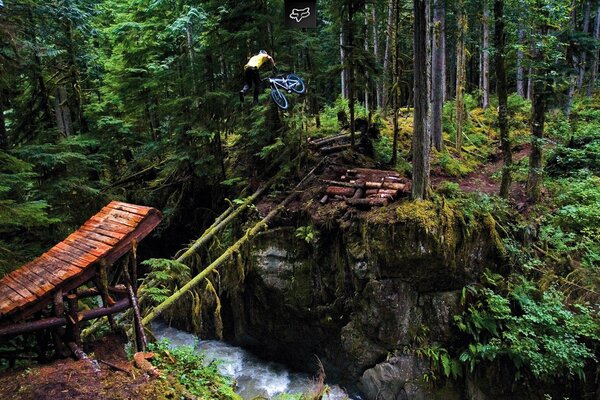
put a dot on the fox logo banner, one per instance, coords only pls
(300, 14)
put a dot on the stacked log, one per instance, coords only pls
(330, 145)
(365, 188)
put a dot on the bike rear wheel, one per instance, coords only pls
(296, 83)
(279, 98)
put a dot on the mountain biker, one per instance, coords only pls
(251, 74)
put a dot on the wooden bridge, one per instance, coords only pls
(32, 297)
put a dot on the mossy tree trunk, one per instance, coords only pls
(501, 88)
(461, 72)
(438, 77)
(421, 140)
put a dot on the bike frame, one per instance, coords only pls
(280, 82)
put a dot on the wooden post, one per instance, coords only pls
(73, 331)
(58, 333)
(140, 336)
(101, 282)
(134, 265)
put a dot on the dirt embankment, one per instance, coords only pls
(76, 380)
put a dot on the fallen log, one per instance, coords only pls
(340, 191)
(334, 149)
(356, 184)
(323, 141)
(55, 322)
(367, 202)
(114, 366)
(383, 185)
(371, 171)
(80, 355)
(250, 234)
(381, 196)
(391, 192)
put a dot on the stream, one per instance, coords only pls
(255, 377)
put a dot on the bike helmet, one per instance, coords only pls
(262, 52)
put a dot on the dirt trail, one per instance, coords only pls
(481, 179)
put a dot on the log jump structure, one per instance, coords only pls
(43, 295)
(365, 188)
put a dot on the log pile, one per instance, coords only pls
(366, 188)
(331, 144)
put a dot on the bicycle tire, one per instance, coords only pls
(279, 99)
(296, 83)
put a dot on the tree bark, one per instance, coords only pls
(583, 55)
(3, 134)
(387, 55)
(501, 88)
(343, 79)
(438, 54)
(530, 84)
(378, 88)
(594, 69)
(573, 58)
(534, 178)
(461, 57)
(520, 69)
(62, 112)
(420, 139)
(351, 55)
(485, 65)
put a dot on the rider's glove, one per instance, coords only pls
(274, 69)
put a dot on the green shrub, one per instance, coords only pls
(187, 366)
(531, 328)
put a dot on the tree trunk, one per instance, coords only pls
(344, 82)
(534, 178)
(351, 55)
(573, 58)
(395, 93)
(420, 139)
(485, 64)
(3, 133)
(62, 112)
(438, 74)
(583, 56)
(378, 88)
(387, 55)
(461, 57)
(594, 71)
(501, 88)
(520, 69)
(530, 84)
(366, 46)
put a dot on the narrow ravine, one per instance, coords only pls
(255, 378)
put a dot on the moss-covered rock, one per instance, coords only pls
(373, 284)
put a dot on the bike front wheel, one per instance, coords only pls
(296, 83)
(279, 99)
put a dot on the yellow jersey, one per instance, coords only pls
(256, 61)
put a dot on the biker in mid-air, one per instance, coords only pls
(251, 74)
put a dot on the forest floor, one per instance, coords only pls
(76, 380)
(482, 180)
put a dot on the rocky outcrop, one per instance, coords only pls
(363, 296)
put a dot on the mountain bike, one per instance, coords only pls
(290, 83)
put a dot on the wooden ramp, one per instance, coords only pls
(102, 240)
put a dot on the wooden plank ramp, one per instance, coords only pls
(106, 236)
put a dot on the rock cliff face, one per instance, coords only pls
(363, 296)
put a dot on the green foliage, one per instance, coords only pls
(307, 233)
(165, 275)
(189, 369)
(532, 329)
(23, 218)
